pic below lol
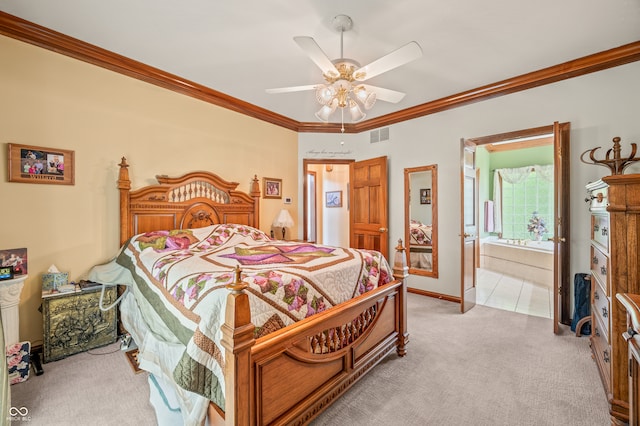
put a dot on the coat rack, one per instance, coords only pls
(616, 164)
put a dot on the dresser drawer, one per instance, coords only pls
(599, 198)
(600, 230)
(601, 309)
(600, 268)
(602, 353)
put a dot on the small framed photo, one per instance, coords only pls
(16, 259)
(37, 164)
(272, 187)
(425, 196)
(333, 198)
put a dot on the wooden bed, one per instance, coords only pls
(257, 370)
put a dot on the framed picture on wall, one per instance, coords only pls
(272, 187)
(333, 198)
(15, 258)
(425, 196)
(37, 164)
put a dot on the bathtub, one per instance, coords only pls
(529, 260)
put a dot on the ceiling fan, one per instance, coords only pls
(343, 88)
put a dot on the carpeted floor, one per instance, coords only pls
(486, 367)
(98, 387)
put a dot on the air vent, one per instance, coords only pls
(384, 134)
(379, 135)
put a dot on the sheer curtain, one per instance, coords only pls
(513, 176)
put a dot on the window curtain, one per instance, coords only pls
(513, 176)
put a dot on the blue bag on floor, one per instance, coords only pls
(582, 302)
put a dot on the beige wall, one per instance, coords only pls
(49, 100)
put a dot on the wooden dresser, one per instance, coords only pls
(615, 268)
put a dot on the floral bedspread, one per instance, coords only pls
(182, 275)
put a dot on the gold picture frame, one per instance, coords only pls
(38, 164)
(272, 187)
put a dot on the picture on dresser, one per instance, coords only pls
(16, 258)
(36, 164)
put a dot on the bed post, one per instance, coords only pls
(237, 339)
(401, 272)
(124, 185)
(255, 193)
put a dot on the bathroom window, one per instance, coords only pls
(519, 202)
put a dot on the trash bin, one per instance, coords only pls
(582, 304)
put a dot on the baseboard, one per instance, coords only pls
(446, 297)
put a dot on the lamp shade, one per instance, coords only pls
(356, 112)
(283, 219)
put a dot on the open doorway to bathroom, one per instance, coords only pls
(516, 208)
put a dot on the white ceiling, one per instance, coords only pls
(241, 48)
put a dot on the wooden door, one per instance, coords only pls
(561, 279)
(368, 220)
(469, 226)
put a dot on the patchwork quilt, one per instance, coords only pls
(420, 233)
(182, 274)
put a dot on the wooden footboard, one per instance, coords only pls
(292, 375)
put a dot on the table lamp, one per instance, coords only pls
(283, 220)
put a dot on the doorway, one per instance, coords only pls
(516, 258)
(322, 223)
(521, 263)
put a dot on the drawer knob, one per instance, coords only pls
(595, 228)
(605, 232)
(595, 260)
(603, 270)
(605, 355)
(605, 312)
(596, 295)
(597, 332)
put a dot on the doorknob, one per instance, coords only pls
(468, 235)
(382, 229)
(558, 239)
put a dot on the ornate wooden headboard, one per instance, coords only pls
(193, 200)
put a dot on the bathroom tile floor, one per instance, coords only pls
(501, 291)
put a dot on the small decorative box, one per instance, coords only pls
(51, 281)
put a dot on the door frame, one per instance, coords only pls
(305, 169)
(560, 153)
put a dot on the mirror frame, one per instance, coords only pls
(433, 168)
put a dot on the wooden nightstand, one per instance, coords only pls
(73, 322)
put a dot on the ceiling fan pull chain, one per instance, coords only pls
(342, 128)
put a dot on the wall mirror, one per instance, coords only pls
(421, 219)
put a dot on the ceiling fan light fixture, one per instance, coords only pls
(325, 94)
(341, 88)
(368, 99)
(325, 112)
(356, 112)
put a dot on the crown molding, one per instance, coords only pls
(28, 32)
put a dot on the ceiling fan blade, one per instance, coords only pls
(386, 95)
(403, 55)
(292, 89)
(316, 54)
